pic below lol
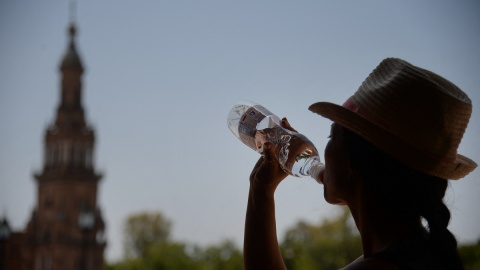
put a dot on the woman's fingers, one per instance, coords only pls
(267, 173)
(269, 152)
(286, 124)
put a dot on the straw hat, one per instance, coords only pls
(412, 114)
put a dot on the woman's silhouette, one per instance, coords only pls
(393, 146)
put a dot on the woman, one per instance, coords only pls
(393, 146)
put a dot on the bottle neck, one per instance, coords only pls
(316, 168)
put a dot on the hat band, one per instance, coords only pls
(349, 104)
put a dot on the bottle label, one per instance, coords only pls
(248, 124)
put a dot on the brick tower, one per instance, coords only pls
(66, 230)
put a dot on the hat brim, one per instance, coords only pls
(393, 145)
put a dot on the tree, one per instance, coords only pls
(175, 255)
(143, 230)
(148, 247)
(168, 255)
(225, 256)
(470, 255)
(331, 245)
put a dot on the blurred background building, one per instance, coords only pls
(66, 228)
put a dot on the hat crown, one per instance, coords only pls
(419, 106)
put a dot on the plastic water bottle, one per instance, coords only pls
(254, 125)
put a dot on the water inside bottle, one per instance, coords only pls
(305, 164)
(297, 163)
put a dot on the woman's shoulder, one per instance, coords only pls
(401, 255)
(371, 264)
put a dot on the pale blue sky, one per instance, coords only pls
(161, 77)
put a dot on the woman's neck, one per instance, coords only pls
(379, 228)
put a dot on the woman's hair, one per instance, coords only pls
(408, 194)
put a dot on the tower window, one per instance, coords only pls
(88, 158)
(65, 152)
(56, 154)
(77, 154)
(49, 155)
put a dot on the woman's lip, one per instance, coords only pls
(320, 177)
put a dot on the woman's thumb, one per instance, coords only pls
(268, 152)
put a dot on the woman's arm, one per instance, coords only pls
(261, 250)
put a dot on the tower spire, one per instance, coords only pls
(73, 11)
(71, 59)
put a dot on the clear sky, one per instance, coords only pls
(161, 77)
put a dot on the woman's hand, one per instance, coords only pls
(267, 173)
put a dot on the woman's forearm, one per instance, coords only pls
(261, 250)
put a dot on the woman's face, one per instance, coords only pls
(337, 178)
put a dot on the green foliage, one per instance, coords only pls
(331, 245)
(470, 255)
(226, 256)
(148, 247)
(170, 255)
(163, 256)
(143, 230)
